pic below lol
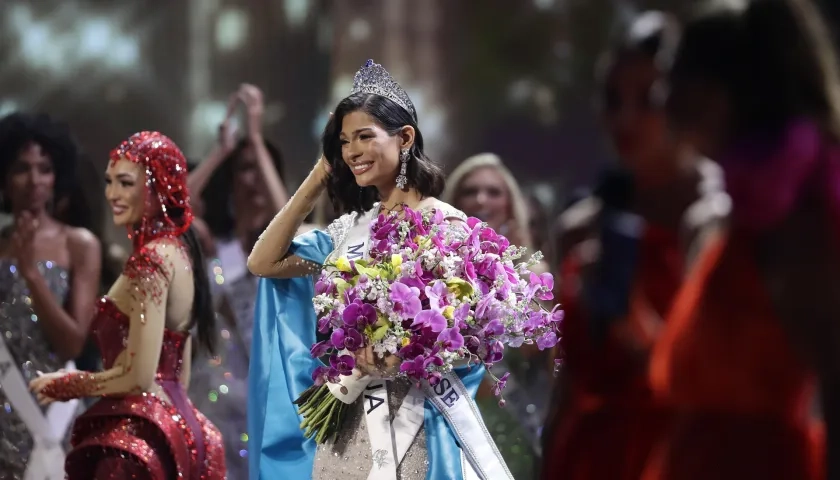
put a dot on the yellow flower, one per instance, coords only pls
(396, 260)
(342, 264)
(448, 312)
(460, 287)
(405, 341)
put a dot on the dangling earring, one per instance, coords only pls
(401, 178)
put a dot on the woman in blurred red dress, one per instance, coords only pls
(622, 264)
(144, 426)
(756, 322)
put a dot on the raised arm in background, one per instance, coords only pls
(270, 256)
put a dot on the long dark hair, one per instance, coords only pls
(345, 194)
(774, 59)
(203, 315)
(216, 197)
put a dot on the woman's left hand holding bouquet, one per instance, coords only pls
(371, 364)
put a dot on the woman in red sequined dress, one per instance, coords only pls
(144, 426)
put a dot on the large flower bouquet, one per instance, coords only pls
(432, 295)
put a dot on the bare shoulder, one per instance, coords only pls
(84, 246)
(450, 212)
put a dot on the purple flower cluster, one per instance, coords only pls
(436, 294)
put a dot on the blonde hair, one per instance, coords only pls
(518, 205)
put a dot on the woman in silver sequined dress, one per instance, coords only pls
(373, 162)
(241, 186)
(49, 276)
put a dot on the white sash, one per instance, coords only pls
(453, 401)
(46, 462)
(389, 441)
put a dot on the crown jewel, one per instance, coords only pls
(373, 78)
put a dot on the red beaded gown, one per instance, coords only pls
(160, 439)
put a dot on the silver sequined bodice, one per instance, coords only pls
(22, 334)
(219, 384)
(349, 458)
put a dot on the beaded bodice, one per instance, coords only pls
(110, 329)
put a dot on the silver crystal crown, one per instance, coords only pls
(373, 78)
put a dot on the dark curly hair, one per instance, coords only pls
(345, 194)
(216, 197)
(18, 130)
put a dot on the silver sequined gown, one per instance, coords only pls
(29, 348)
(349, 458)
(219, 385)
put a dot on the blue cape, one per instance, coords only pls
(281, 369)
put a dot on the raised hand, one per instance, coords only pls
(227, 132)
(23, 242)
(252, 97)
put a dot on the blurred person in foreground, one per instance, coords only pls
(483, 187)
(49, 276)
(756, 88)
(143, 426)
(239, 187)
(622, 261)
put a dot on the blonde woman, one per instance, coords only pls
(483, 187)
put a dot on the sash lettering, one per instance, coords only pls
(373, 401)
(451, 398)
(447, 394)
(355, 251)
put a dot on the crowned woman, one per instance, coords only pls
(373, 162)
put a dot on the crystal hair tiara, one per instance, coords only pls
(373, 78)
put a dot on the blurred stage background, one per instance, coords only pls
(512, 77)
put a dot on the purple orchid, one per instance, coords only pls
(547, 340)
(436, 293)
(343, 364)
(451, 339)
(415, 368)
(431, 320)
(349, 338)
(320, 349)
(501, 384)
(322, 374)
(406, 299)
(543, 285)
(359, 315)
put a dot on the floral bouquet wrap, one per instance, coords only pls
(430, 296)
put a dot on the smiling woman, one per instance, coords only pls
(143, 420)
(49, 275)
(373, 162)
(125, 192)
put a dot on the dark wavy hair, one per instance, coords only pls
(345, 194)
(216, 197)
(18, 130)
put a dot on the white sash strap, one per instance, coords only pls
(452, 400)
(378, 420)
(408, 421)
(46, 462)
